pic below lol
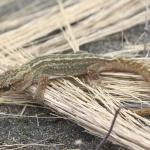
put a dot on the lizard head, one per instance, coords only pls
(8, 79)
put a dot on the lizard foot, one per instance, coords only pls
(39, 94)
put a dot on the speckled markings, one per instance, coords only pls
(44, 68)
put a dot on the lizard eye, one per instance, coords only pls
(7, 88)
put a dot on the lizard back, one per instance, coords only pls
(64, 64)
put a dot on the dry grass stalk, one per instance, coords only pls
(95, 111)
(98, 19)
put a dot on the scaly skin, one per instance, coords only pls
(40, 70)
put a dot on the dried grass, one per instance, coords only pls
(93, 110)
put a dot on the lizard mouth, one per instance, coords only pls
(6, 88)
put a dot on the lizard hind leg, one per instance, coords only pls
(42, 83)
(93, 72)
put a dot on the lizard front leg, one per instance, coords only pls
(42, 84)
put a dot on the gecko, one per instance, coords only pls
(44, 68)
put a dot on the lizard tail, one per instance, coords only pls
(128, 65)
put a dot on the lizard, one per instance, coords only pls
(44, 68)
